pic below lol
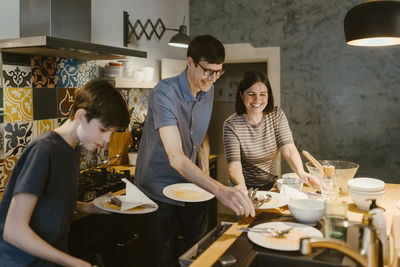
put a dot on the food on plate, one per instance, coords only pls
(290, 239)
(110, 205)
(116, 201)
(186, 193)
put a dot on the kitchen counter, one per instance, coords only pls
(218, 248)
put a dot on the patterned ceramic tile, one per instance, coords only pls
(67, 74)
(9, 164)
(87, 71)
(43, 126)
(2, 176)
(65, 99)
(17, 76)
(44, 71)
(88, 159)
(60, 121)
(125, 94)
(1, 106)
(17, 137)
(44, 103)
(16, 59)
(18, 104)
(138, 99)
(1, 141)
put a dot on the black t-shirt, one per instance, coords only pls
(48, 168)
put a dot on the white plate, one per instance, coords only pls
(187, 192)
(290, 242)
(290, 175)
(104, 203)
(276, 201)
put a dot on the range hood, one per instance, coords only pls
(60, 47)
(61, 29)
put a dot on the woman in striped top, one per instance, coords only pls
(254, 135)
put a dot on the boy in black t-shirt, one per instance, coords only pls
(41, 194)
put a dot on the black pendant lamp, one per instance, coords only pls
(373, 23)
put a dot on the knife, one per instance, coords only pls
(258, 230)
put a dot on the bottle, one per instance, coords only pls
(335, 209)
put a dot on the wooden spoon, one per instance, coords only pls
(313, 161)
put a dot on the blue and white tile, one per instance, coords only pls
(67, 72)
(87, 71)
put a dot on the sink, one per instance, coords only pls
(243, 252)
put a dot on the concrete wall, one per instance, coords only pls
(342, 102)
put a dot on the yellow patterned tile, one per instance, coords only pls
(18, 104)
(9, 164)
(43, 126)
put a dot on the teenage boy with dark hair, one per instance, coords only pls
(174, 140)
(40, 197)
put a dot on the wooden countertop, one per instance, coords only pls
(218, 248)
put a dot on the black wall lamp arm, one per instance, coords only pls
(138, 29)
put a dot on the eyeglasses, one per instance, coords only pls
(208, 72)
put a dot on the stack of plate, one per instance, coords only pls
(113, 69)
(363, 190)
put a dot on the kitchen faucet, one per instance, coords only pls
(369, 256)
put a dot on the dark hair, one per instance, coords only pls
(206, 47)
(101, 101)
(248, 79)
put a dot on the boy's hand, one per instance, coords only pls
(88, 207)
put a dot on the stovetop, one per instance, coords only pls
(99, 181)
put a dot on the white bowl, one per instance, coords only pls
(366, 184)
(307, 211)
(294, 182)
(363, 199)
(344, 171)
(290, 175)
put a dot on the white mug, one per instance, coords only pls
(148, 74)
(138, 76)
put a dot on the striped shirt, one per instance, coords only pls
(257, 146)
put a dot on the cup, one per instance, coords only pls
(336, 223)
(148, 74)
(138, 76)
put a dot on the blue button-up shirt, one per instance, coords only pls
(171, 103)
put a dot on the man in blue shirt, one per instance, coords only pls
(174, 149)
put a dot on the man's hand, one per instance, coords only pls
(237, 200)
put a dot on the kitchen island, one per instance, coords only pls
(212, 254)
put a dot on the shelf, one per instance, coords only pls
(130, 83)
(59, 47)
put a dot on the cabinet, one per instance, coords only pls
(111, 240)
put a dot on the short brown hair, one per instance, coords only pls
(101, 101)
(208, 48)
(248, 79)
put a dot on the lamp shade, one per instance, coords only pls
(374, 23)
(180, 39)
